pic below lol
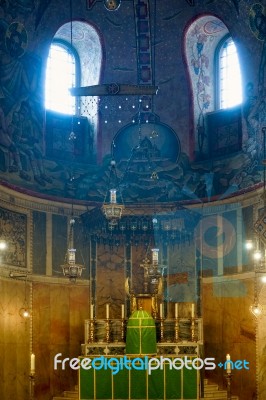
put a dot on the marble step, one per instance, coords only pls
(220, 395)
(68, 395)
(212, 391)
(64, 398)
(71, 394)
(211, 387)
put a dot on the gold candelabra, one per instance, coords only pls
(193, 329)
(161, 329)
(123, 329)
(92, 331)
(32, 384)
(176, 330)
(228, 377)
(107, 330)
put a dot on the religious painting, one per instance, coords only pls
(13, 229)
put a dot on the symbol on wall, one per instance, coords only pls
(112, 5)
(218, 236)
(90, 4)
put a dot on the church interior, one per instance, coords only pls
(132, 201)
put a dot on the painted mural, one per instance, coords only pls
(13, 227)
(153, 161)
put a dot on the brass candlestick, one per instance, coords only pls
(193, 329)
(122, 330)
(107, 330)
(161, 329)
(176, 329)
(32, 384)
(92, 331)
(228, 377)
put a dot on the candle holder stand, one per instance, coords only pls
(176, 330)
(32, 384)
(123, 330)
(92, 331)
(161, 329)
(193, 329)
(228, 377)
(107, 330)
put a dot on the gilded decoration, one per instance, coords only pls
(13, 229)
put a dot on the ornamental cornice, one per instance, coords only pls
(17, 201)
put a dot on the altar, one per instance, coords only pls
(164, 382)
(153, 351)
(115, 373)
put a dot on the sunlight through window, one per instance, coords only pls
(229, 76)
(60, 77)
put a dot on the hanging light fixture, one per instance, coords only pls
(111, 209)
(70, 268)
(256, 308)
(24, 311)
(259, 269)
(259, 254)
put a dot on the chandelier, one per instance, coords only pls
(111, 209)
(70, 268)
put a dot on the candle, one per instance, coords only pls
(122, 311)
(107, 311)
(112, 196)
(193, 310)
(32, 363)
(92, 311)
(228, 364)
(155, 256)
(161, 310)
(176, 310)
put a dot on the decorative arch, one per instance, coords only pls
(86, 42)
(201, 38)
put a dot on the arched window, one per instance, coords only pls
(74, 60)
(215, 83)
(62, 73)
(229, 93)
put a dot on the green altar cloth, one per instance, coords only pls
(166, 383)
(141, 334)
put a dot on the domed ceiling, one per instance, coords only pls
(152, 138)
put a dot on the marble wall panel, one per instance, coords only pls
(41, 312)
(230, 328)
(59, 328)
(261, 347)
(14, 341)
(110, 281)
(59, 312)
(76, 318)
